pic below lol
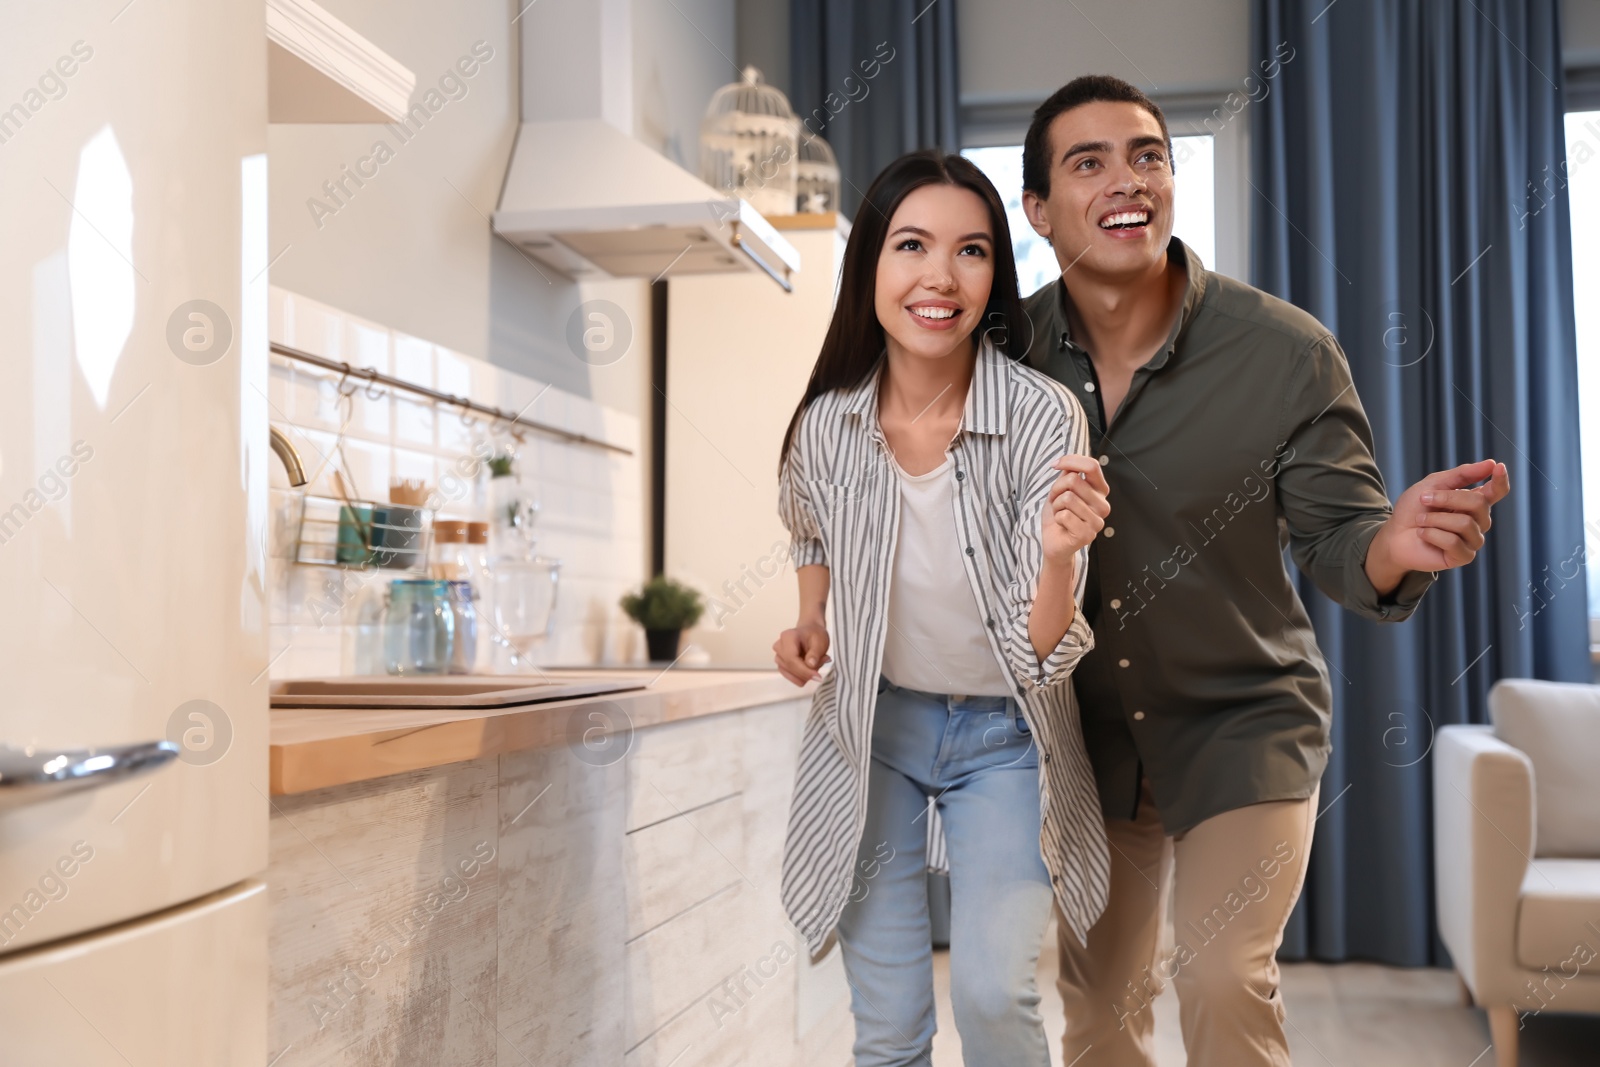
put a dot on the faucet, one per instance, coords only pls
(291, 458)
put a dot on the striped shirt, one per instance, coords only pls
(840, 500)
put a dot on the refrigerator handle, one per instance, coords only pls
(28, 775)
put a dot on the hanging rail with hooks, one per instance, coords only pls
(375, 379)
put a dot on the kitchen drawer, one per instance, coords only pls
(680, 961)
(672, 865)
(682, 766)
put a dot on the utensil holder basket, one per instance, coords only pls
(364, 534)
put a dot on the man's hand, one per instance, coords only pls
(1076, 509)
(1438, 524)
(800, 652)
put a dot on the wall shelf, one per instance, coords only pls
(319, 70)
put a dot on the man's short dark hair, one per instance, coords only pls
(1089, 89)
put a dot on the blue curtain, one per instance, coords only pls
(875, 79)
(1405, 190)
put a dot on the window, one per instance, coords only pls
(1583, 193)
(1194, 208)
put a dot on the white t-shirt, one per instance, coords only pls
(936, 640)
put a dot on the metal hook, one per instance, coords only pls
(339, 388)
(371, 374)
(466, 416)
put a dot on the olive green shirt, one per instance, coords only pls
(1241, 436)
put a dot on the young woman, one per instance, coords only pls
(938, 489)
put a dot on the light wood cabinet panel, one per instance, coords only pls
(671, 866)
(544, 907)
(384, 902)
(682, 766)
(562, 914)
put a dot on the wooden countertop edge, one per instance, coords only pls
(367, 753)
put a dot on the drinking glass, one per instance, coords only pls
(524, 604)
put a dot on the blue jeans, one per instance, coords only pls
(976, 756)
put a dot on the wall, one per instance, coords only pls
(1580, 31)
(752, 347)
(682, 53)
(592, 510)
(411, 247)
(1021, 50)
(763, 38)
(1014, 50)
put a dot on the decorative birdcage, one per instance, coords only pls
(749, 144)
(816, 188)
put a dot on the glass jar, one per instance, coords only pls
(481, 575)
(419, 627)
(449, 554)
(464, 650)
(371, 604)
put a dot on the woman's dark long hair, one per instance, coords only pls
(855, 336)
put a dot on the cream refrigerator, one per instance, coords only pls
(133, 452)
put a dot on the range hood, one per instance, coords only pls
(590, 201)
(585, 197)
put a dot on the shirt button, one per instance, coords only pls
(1122, 663)
(1047, 757)
(969, 550)
(1109, 532)
(1088, 387)
(1104, 460)
(1138, 715)
(989, 621)
(960, 475)
(1115, 604)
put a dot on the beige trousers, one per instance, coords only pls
(1230, 883)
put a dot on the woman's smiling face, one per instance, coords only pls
(935, 270)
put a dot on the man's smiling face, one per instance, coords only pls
(1109, 208)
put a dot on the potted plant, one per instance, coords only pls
(665, 608)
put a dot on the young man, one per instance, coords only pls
(1221, 416)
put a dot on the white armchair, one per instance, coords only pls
(1516, 819)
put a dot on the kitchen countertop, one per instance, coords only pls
(314, 748)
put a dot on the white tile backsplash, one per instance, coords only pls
(592, 509)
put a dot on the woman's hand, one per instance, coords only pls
(1076, 509)
(800, 652)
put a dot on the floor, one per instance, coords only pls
(1340, 1015)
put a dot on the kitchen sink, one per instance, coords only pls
(451, 691)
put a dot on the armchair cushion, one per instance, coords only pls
(1558, 919)
(1483, 834)
(1558, 726)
